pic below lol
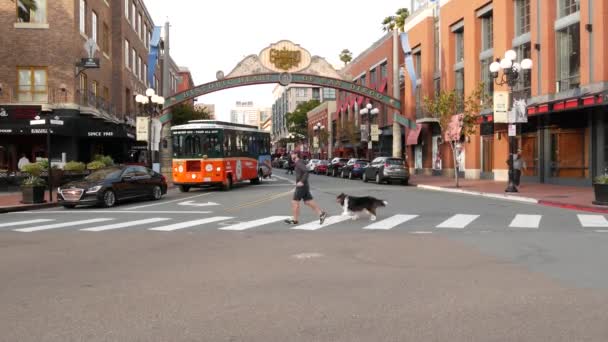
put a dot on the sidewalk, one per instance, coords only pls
(570, 197)
(10, 202)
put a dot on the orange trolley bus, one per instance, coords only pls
(208, 152)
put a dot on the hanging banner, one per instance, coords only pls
(155, 132)
(142, 128)
(520, 111)
(501, 106)
(409, 61)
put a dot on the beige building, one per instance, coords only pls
(247, 113)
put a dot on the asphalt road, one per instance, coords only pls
(222, 266)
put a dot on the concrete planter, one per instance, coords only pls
(601, 194)
(32, 194)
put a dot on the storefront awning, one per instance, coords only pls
(383, 85)
(412, 137)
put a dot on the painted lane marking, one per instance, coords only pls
(601, 231)
(458, 221)
(255, 223)
(391, 222)
(165, 202)
(314, 225)
(125, 224)
(68, 212)
(188, 224)
(259, 201)
(192, 203)
(526, 221)
(285, 179)
(421, 232)
(594, 221)
(21, 223)
(61, 225)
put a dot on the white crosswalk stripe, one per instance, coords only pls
(23, 223)
(189, 224)
(525, 221)
(62, 225)
(255, 223)
(314, 225)
(593, 221)
(458, 221)
(391, 222)
(125, 224)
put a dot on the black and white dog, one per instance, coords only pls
(354, 205)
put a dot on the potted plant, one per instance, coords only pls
(600, 188)
(95, 165)
(32, 188)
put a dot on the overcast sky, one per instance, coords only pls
(211, 35)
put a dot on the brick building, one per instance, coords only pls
(39, 76)
(319, 117)
(372, 68)
(564, 140)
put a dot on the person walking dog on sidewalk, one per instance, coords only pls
(302, 192)
(518, 165)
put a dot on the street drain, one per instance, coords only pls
(307, 255)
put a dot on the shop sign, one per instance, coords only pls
(3, 113)
(501, 106)
(375, 132)
(518, 114)
(100, 134)
(315, 142)
(142, 128)
(39, 131)
(512, 131)
(6, 130)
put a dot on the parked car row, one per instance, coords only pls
(379, 170)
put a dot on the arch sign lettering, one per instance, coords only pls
(283, 62)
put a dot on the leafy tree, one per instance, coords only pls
(183, 113)
(350, 131)
(396, 21)
(445, 105)
(297, 121)
(346, 56)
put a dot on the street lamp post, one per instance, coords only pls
(317, 130)
(511, 71)
(369, 111)
(150, 104)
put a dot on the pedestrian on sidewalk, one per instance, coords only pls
(302, 192)
(290, 166)
(518, 165)
(22, 162)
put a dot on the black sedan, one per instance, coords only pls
(112, 184)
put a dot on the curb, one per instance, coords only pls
(578, 207)
(17, 208)
(482, 194)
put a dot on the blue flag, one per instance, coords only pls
(153, 56)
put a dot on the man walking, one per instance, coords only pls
(302, 192)
(518, 165)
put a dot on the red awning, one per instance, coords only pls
(412, 137)
(383, 85)
(454, 128)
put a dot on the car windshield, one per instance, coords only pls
(323, 162)
(362, 161)
(107, 173)
(343, 160)
(394, 161)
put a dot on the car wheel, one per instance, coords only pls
(109, 198)
(342, 174)
(228, 185)
(157, 193)
(69, 206)
(405, 182)
(184, 188)
(378, 179)
(364, 177)
(350, 175)
(334, 173)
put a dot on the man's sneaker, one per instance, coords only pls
(291, 221)
(322, 217)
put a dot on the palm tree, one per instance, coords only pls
(396, 21)
(346, 56)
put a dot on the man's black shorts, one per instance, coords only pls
(302, 193)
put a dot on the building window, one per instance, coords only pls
(522, 17)
(568, 57)
(127, 10)
(32, 84)
(436, 42)
(301, 92)
(383, 70)
(106, 94)
(487, 32)
(83, 14)
(524, 84)
(84, 88)
(94, 26)
(95, 88)
(329, 94)
(138, 30)
(140, 68)
(418, 64)
(148, 38)
(134, 60)
(460, 88)
(459, 38)
(25, 13)
(372, 77)
(486, 78)
(133, 13)
(145, 35)
(437, 86)
(316, 93)
(128, 101)
(127, 64)
(567, 7)
(363, 81)
(105, 43)
(146, 75)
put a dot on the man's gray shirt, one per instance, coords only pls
(301, 172)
